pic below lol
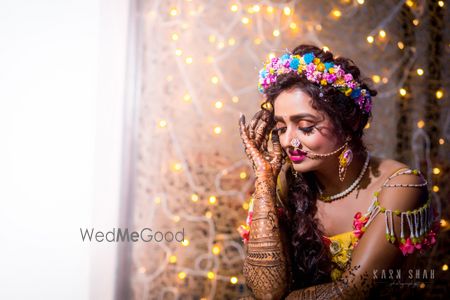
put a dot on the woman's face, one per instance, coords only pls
(296, 118)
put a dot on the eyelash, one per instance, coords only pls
(306, 130)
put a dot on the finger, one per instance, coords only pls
(266, 115)
(253, 124)
(277, 152)
(260, 133)
(263, 128)
(264, 144)
(244, 136)
(252, 152)
(249, 146)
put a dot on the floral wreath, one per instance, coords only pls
(316, 71)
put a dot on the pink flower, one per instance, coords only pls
(407, 247)
(418, 245)
(244, 232)
(359, 221)
(310, 68)
(348, 77)
(351, 84)
(338, 71)
(249, 218)
(326, 241)
(358, 233)
(430, 239)
(358, 224)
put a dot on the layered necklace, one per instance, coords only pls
(353, 186)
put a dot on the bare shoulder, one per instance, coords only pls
(402, 192)
(385, 167)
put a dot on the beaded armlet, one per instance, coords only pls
(418, 227)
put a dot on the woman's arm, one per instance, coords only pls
(265, 265)
(373, 252)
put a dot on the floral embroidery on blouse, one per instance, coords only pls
(341, 248)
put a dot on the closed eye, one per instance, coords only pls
(280, 129)
(308, 129)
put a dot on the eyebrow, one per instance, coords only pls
(295, 118)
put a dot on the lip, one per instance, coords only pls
(297, 157)
(297, 153)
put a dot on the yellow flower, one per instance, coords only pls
(348, 92)
(321, 67)
(336, 274)
(331, 70)
(316, 60)
(340, 81)
(323, 82)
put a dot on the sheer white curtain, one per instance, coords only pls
(62, 92)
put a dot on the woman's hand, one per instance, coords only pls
(265, 266)
(254, 137)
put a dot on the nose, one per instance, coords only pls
(287, 138)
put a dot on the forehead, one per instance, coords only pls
(293, 102)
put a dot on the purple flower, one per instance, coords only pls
(368, 106)
(330, 78)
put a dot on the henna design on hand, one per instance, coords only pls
(264, 161)
(265, 266)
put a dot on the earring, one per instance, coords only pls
(295, 142)
(345, 158)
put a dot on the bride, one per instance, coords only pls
(326, 216)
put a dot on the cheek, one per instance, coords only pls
(323, 141)
(315, 141)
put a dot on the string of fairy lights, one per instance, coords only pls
(203, 42)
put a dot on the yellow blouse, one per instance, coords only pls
(341, 248)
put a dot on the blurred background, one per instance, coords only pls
(124, 114)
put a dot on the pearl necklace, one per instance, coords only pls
(350, 188)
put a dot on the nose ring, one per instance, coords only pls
(295, 142)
